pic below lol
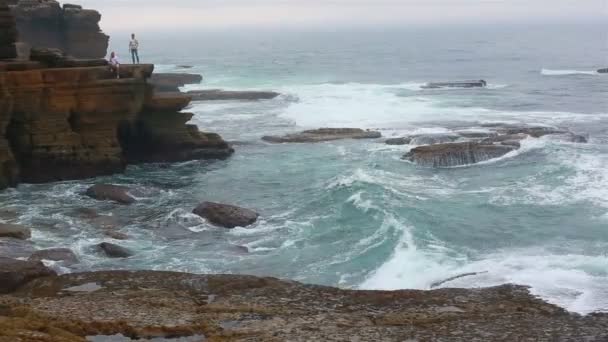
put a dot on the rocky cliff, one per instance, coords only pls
(63, 118)
(44, 23)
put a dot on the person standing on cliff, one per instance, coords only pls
(134, 46)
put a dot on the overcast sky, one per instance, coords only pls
(176, 14)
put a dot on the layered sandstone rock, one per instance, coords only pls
(147, 304)
(45, 24)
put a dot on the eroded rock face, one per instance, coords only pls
(168, 82)
(225, 215)
(65, 255)
(14, 231)
(114, 251)
(218, 94)
(147, 304)
(431, 139)
(456, 154)
(14, 273)
(110, 192)
(44, 24)
(324, 134)
(398, 141)
(16, 248)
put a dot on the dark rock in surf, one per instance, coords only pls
(603, 71)
(65, 255)
(114, 251)
(456, 84)
(225, 215)
(86, 213)
(16, 248)
(431, 139)
(170, 82)
(447, 280)
(116, 235)
(218, 94)
(324, 134)
(14, 273)
(15, 231)
(398, 141)
(115, 193)
(456, 154)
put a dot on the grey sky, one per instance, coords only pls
(141, 14)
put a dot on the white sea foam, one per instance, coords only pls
(558, 72)
(574, 281)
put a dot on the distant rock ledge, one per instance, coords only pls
(149, 304)
(323, 134)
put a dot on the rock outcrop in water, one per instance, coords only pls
(64, 118)
(111, 192)
(225, 215)
(603, 71)
(170, 82)
(45, 24)
(218, 94)
(474, 147)
(456, 84)
(146, 304)
(323, 134)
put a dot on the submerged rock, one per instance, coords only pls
(15, 231)
(455, 84)
(225, 215)
(431, 139)
(218, 94)
(14, 273)
(324, 134)
(115, 193)
(603, 71)
(114, 251)
(64, 255)
(398, 141)
(456, 154)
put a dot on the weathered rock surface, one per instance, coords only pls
(455, 154)
(44, 24)
(110, 192)
(168, 82)
(65, 255)
(114, 251)
(431, 139)
(456, 84)
(323, 134)
(148, 304)
(14, 273)
(14, 231)
(16, 248)
(398, 141)
(218, 94)
(225, 215)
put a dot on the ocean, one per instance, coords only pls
(352, 213)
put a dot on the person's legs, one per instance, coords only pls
(133, 53)
(137, 55)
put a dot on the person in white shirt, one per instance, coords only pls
(133, 47)
(115, 64)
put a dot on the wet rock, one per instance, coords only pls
(116, 235)
(603, 71)
(225, 215)
(170, 82)
(65, 255)
(456, 84)
(455, 154)
(218, 94)
(398, 141)
(14, 273)
(15, 231)
(147, 304)
(431, 139)
(324, 134)
(569, 137)
(15, 248)
(185, 66)
(114, 251)
(86, 213)
(476, 134)
(115, 193)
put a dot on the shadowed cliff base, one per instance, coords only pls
(147, 304)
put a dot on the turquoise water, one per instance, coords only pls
(352, 213)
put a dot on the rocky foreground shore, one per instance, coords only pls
(148, 304)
